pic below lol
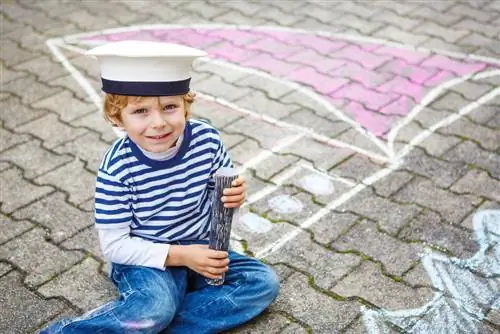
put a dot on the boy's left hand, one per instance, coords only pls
(234, 196)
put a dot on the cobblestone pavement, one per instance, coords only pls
(368, 132)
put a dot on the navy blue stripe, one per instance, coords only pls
(144, 88)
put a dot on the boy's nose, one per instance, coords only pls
(158, 121)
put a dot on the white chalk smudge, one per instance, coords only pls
(317, 184)
(256, 223)
(285, 204)
(468, 289)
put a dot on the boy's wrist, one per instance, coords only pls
(175, 256)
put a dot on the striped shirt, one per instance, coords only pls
(165, 200)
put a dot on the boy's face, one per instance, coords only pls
(154, 123)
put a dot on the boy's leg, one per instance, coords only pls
(249, 288)
(147, 303)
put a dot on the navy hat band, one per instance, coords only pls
(140, 88)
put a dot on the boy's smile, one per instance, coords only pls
(154, 123)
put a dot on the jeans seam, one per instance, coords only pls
(216, 299)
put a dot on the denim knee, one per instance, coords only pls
(149, 310)
(266, 284)
(272, 283)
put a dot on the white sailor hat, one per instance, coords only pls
(144, 68)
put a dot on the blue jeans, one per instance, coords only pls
(178, 300)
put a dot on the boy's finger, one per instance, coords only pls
(233, 191)
(215, 254)
(232, 199)
(238, 182)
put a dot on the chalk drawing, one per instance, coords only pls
(285, 204)
(325, 67)
(255, 223)
(468, 289)
(317, 184)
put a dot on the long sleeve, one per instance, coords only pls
(117, 246)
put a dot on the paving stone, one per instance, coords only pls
(11, 53)
(488, 138)
(432, 230)
(9, 139)
(25, 251)
(69, 83)
(308, 119)
(442, 173)
(4, 166)
(253, 184)
(96, 122)
(449, 101)
(251, 127)
(357, 167)
(82, 285)
(276, 213)
(293, 329)
(479, 183)
(493, 316)
(259, 103)
(396, 34)
(87, 240)
(325, 266)
(23, 310)
(478, 40)
(396, 256)
(331, 226)
(73, 179)
(54, 213)
(12, 228)
(356, 327)
(4, 268)
(390, 215)
(206, 10)
(324, 156)
(368, 283)
(30, 89)
(388, 185)
(73, 108)
(257, 240)
(17, 192)
(87, 206)
(445, 19)
(51, 130)
(283, 271)
(273, 165)
(34, 159)
(230, 140)
(486, 115)
(357, 139)
(43, 67)
(452, 207)
(323, 313)
(478, 15)
(278, 16)
(472, 90)
(360, 24)
(437, 144)
(263, 324)
(486, 205)
(271, 88)
(218, 115)
(9, 25)
(88, 148)
(469, 152)
(236, 17)
(214, 86)
(448, 34)
(389, 17)
(245, 151)
(417, 276)
(325, 187)
(9, 75)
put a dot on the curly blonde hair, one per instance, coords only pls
(114, 103)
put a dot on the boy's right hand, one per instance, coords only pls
(207, 262)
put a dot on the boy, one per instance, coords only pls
(152, 205)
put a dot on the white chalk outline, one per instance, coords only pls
(442, 281)
(388, 149)
(394, 163)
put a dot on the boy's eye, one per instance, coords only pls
(170, 106)
(140, 111)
